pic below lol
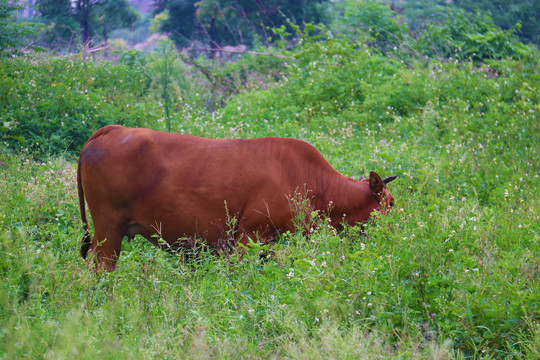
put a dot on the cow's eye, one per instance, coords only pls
(391, 204)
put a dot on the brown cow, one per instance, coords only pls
(184, 188)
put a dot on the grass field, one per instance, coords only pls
(452, 272)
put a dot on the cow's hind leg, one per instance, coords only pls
(106, 244)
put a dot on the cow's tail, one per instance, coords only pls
(86, 237)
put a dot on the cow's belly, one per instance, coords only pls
(188, 218)
(180, 228)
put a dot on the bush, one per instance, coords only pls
(330, 80)
(464, 35)
(375, 18)
(52, 105)
(12, 35)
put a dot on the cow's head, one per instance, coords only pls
(372, 196)
(379, 191)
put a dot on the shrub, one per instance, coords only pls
(464, 35)
(12, 35)
(375, 18)
(52, 105)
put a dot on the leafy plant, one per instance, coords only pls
(164, 70)
(53, 106)
(13, 35)
(375, 19)
(463, 35)
(86, 20)
(509, 14)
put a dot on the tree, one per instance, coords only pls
(12, 35)
(234, 22)
(180, 22)
(113, 14)
(83, 20)
(465, 35)
(61, 22)
(507, 14)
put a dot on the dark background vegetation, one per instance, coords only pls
(65, 24)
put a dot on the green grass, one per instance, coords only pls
(452, 272)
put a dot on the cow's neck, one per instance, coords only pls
(345, 194)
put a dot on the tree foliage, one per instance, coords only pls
(508, 14)
(61, 25)
(520, 15)
(69, 22)
(180, 21)
(375, 21)
(436, 32)
(12, 34)
(233, 22)
(465, 35)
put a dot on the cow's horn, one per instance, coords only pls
(388, 179)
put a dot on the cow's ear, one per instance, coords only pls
(375, 183)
